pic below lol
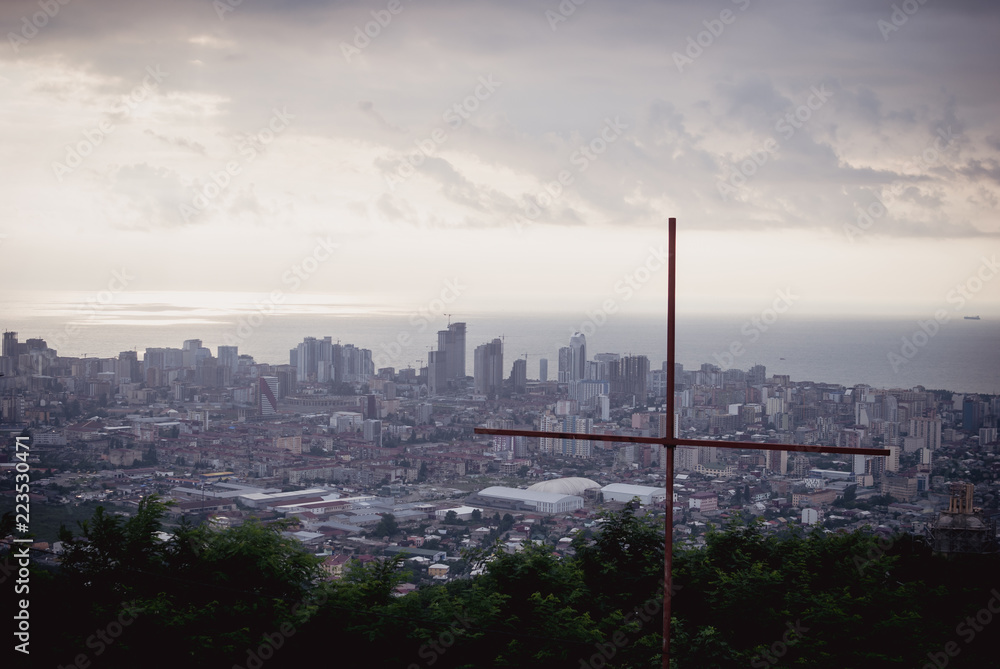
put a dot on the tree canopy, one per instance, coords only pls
(220, 598)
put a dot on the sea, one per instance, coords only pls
(953, 354)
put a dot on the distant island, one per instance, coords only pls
(972, 318)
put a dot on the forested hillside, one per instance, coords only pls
(249, 597)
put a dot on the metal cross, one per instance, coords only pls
(670, 442)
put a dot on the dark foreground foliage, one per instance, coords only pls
(248, 597)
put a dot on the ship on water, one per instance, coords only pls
(972, 318)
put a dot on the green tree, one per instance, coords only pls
(201, 593)
(387, 527)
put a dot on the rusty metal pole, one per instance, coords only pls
(668, 536)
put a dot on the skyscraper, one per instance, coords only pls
(437, 372)
(972, 415)
(543, 370)
(229, 356)
(628, 379)
(519, 375)
(10, 346)
(307, 358)
(572, 447)
(578, 361)
(450, 358)
(451, 342)
(128, 367)
(565, 363)
(267, 395)
(488, 368)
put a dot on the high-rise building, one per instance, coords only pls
(449, 361)
(972, 415)
(565, 363)
(451, 342)
(557, 446)
(229, 356)
(267, 395)
(928, 430)
(519, 375)
(287, 380)
(128, 367)
(603, 406)
(685, 458)
(628, 380)
(306, 359)
(372, 431)
(352, 364)
(587, 391)
(488, 368)
(600, 368)
(777, 461)
(578, 360)
(10, 345)
(543, 370)
(437, 372)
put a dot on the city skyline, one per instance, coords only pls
(527, 161)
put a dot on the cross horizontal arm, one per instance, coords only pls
(670, 441)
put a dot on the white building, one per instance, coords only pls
(624, 492)
(527, 500)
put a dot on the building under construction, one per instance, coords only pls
(963, 528)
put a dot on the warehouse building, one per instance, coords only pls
(528, 501)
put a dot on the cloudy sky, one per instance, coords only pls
(529, 151)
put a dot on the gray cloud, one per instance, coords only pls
(688, 129)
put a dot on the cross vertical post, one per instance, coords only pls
(668, 529)
(670, 442)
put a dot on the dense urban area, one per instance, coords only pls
(228, 504)
(367, 463)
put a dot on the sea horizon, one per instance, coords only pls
(947, 352)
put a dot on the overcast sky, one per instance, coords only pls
(847, 151)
